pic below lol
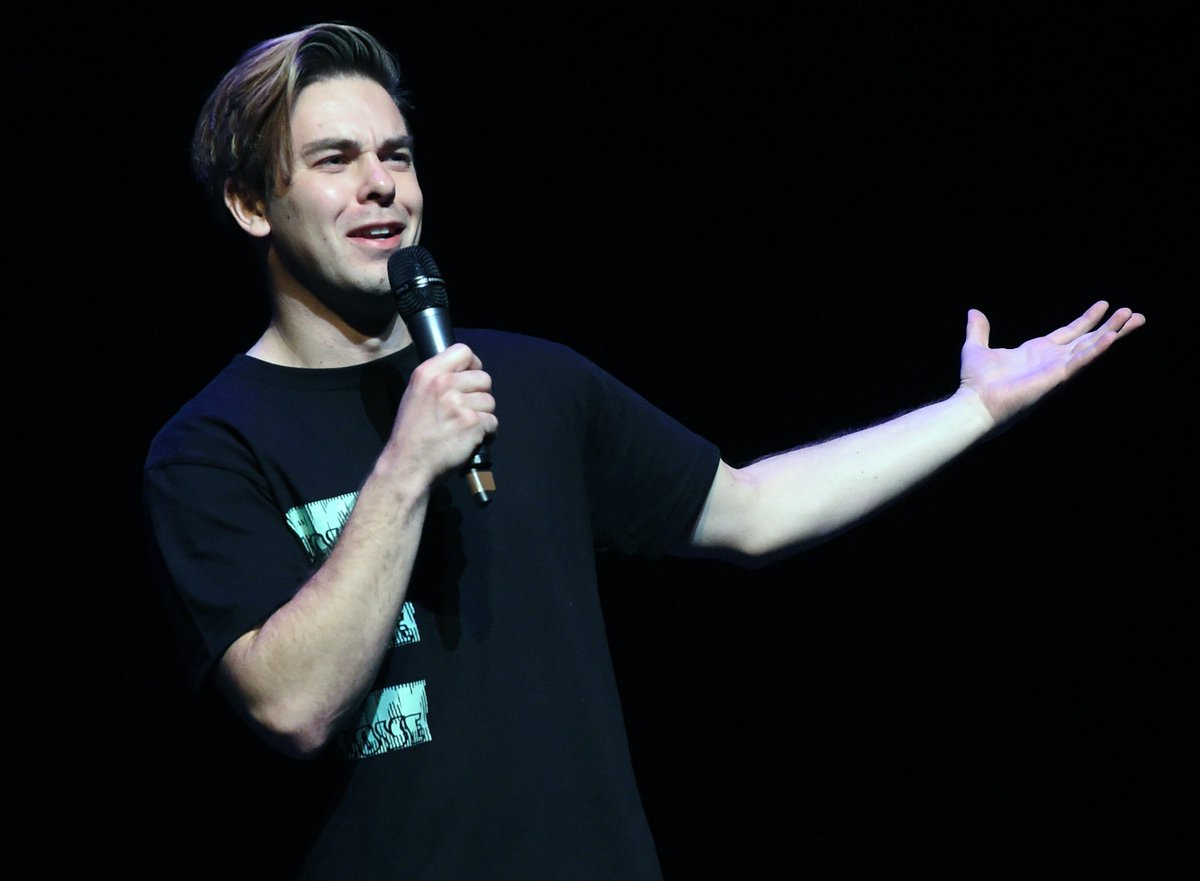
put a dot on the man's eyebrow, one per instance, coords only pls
(400, 142)
(351, 145)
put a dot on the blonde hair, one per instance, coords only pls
(244, 133)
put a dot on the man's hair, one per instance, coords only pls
(244, 133)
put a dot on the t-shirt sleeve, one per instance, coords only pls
(649, 475)
(224, 552)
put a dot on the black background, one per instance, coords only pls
(771, 225)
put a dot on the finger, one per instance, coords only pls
(1116, 321)
(1087, 351)
(1080, 325)
(470, 381)
(457, 357)
(482, 419)
(480, 402)
(1125, 321)
(1136, 320)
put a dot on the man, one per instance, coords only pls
(442, 664)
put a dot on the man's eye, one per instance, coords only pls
(401, 157)
(336, 159)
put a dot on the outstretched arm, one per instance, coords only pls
(788, 500)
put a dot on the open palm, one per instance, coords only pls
(1008, 380)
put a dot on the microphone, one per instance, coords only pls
(421, 300)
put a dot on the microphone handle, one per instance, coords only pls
(432, 333)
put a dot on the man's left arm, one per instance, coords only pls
(786, 501)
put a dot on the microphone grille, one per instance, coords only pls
(416, 281)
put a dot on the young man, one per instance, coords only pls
(444, 665)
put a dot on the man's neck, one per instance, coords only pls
(300, 335)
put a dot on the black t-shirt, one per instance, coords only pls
(492, 743)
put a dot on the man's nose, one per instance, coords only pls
(377, 183)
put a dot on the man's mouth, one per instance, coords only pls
(377, 232)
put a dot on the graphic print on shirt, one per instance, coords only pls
(395, 717)
(406, 628)
(318, 524)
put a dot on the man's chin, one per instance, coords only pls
(369, 311)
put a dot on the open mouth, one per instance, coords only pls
(383, 234)
(377, 232)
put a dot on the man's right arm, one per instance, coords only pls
(298, 675)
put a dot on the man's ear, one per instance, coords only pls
(248, 210)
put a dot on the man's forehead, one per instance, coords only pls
(346, 107)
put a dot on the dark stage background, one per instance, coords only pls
(771, 226)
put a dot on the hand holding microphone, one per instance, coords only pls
(421, 300)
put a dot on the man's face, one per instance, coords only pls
(353, 197)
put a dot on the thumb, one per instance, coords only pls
(979, 330)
